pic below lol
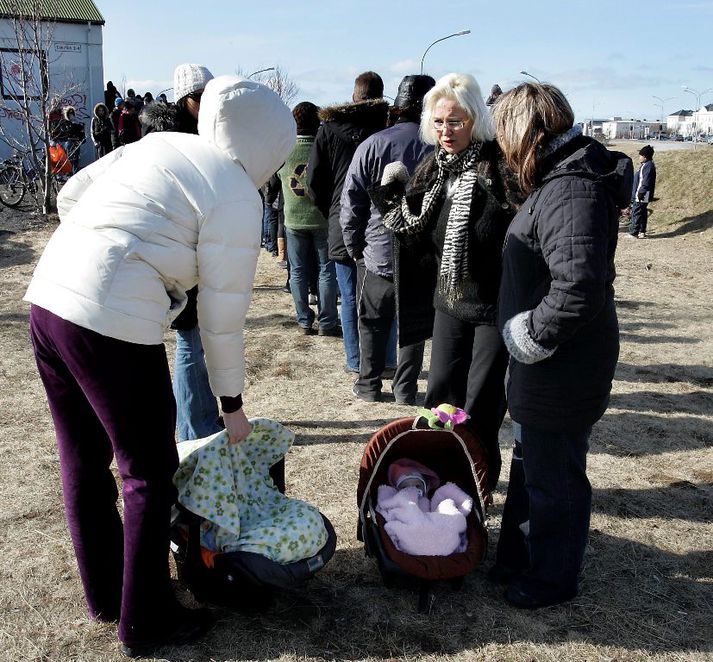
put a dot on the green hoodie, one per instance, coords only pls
(300, 210)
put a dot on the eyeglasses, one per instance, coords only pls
(453, 125)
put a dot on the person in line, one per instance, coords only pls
(101, 130)
(370, 244)
(344, 128)
(110, 93)
(455, 211)
(495, 93)
(197, 409)
(70, 134)
(112, 276)
(642, 193)
(558, 319)
(129, 125)
(116, 112)
(306, 232)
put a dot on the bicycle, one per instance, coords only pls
(19, 175)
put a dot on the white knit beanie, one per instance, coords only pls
(189, 78)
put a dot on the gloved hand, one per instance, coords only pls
(394, 172)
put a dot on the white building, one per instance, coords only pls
(702, 124)
(74, 60)
(679, 123)
(632, 129)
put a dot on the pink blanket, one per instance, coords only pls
(423, 527)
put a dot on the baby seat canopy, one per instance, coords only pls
(456, 456)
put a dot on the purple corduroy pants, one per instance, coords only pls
(111, 398)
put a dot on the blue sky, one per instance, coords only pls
(609, 57)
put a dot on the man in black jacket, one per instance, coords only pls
(344, 128)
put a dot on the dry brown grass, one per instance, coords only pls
(648, 587)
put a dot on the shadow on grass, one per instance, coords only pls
(14, 253)
(657, 373)
(634, 596)
(699, 223)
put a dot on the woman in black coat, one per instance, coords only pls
(450, 219)
(557, 316)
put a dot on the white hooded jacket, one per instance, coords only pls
(147, 222)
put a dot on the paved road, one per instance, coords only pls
(662, 145)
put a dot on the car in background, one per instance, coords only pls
(679, 139)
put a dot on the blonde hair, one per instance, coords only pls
(465, 91)
(526, 119)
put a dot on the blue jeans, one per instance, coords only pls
(347, 281)
(197, 409)
(549, 489)
(300, 244)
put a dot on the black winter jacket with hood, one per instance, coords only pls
(345, 128)
(556, 305)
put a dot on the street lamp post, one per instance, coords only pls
(260, 71)
(524, 73)
(698, 96)
(455, 34)
(661, 105)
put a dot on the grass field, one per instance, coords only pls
(647, 592)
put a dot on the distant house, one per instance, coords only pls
(680, 122)
(633, 129)
(74, 59)
(703, 121)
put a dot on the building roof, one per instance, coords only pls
(681, 113)
(62, 11)
(709, 107)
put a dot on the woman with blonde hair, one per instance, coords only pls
(450, 219)
(557, 316)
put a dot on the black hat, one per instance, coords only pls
(647, 152)
(412, 89)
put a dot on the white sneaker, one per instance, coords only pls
(631, 236)
(642, 235)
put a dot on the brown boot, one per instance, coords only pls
(281, 249)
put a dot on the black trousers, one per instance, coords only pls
(468, 364)
(639, 217)
(376, 305)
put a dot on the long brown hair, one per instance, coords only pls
(526, 119)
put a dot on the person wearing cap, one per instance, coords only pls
(197, 409)
(139, 228)
(455, 209)
(642, 193)
(306, 232)
(369, 243)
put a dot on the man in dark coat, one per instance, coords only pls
(642, 193)
(344, 128)
(371, 244)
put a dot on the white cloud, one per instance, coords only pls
(404, 67)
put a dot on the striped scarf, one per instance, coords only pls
(454, 258)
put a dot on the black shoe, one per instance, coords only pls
(286, 289)
(307, 330)
(367, 396)
(334, 332)
(409, 400)
(193, 625)
(502, 574)
(518, 596)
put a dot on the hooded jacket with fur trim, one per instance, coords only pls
(151, 220)
(345, 128)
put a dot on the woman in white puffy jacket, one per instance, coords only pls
(139, 228)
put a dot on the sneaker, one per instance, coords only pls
(312, 299)
(631, 236)
(335, 331)
(522, 596)
(642, 235)
(367, 396)
(192, 625)
(286, 289)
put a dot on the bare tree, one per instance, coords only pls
(28, 97)
(278, 80)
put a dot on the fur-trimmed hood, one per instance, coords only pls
(355, 112)
(160, 117)
(106, 110)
